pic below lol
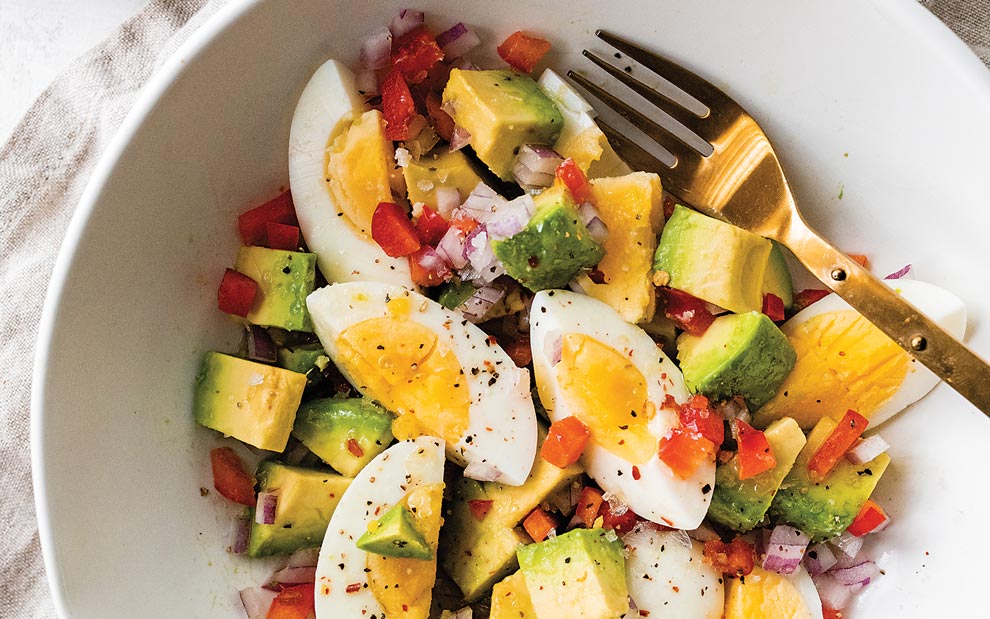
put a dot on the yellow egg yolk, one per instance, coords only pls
(404, 587)
(358, 164)
(402, 364)
(843, 363)
(608, 393)
(762, 594)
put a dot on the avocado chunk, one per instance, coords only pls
(739, 354)
(346, 433)
(510, 599)
(306, 500)
(308, 359)
(454, 293)
(253, 402)
(777, 280)
(475, 552)
(502, 110)
(742, 504)
(713, 260)
(825, 509)
(394, 535)
(580, 574)
(553, 247)
(442, 168)
(285, 279)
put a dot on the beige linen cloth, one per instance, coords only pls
(43, 170)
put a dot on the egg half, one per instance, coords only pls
(440, 374)
(330, 107)
(353, 583)
(766, 594)
(590, 363)
(844, 362)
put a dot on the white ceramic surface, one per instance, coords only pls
(881, 117)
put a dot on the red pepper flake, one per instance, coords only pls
(644, 613)
(635, 472)
(354, 448)
(479, 508)
(354, 587)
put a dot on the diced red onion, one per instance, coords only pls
(847, 544)
(481, 257)
(457, 41)
(476, 307)
(257, 601)
(597, 230)
(843, 561)
(376, 49)
(304, 557)
(899, 273)
(528, 179)
(782, 549)
(833, 593)
(510, 218)
(482, 471)
(466, 65)
(451, 248)
(785, 534)
(261, 346)
(460, 138)
(819, 559)
(535, 165)
(240, 532)
(734, 408)
(448, 198)
(406, 20)
(866, 449)
(859, 574)
(483, 202)
(554, 347)
(264, 513)
(292, 576)
(587, 212)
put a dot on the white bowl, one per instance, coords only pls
(881, 117)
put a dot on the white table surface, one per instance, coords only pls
(40, 38)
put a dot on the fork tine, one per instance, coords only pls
(674, 179)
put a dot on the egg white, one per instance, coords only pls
(658, 495)
(667, 576)
(501, 431)
(327, 106)
(946, 309)
(396, 471)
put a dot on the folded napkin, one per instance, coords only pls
(43, 170)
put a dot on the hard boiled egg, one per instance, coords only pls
(441, 374)
(844, 362)
(330, 106)
(766, 594)
(667, 576)
(353, 583)
(591, 364)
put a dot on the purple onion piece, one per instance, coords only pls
(264, 513)
(859, 574)
(460, 138)
(847, 544)
(483, 202)
(451, 248)
(785, 534)
(405, 21)
(833, 593)
(819, 559)
(587, 212)
(376, 49)
(476, 307)
(782, 549)
(367, 84)
(457, 41)
(539, 158)
(866, 449)
(448, 198)
(482, 471)
(240, 531)
(528, 179)
(261, 346)
(292, 576)
(304, 557)
(899, 273)
(256, 601)
(598, 230)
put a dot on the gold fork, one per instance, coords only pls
(733, 174)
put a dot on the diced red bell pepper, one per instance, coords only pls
(831, 613)
(519, 350)
(861, 259)
(575, 180)
(773, 307)
(684, 450)
(253, 224)
(620, 523)
(588, 505)
(869, 518)
(738, 557)
(293, 602)
(479, 508)
(236, 293)
(806, 297)
(392, 230)
(538, 524)
(463, 222)
(850, 427)
(523, 52)
(443, 124)
(229, 477)
(427, 268)
(668, 205)
(415, 54)
(431, 226)
(688, 312)
(698, 415)
(398, 107)
(283, 236)
(755, 453)
(565, 442)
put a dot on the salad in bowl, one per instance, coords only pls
(489, 369)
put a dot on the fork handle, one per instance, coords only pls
(924, 340)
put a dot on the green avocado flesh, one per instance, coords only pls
(285, 279)
(346, 433)
(395, 535)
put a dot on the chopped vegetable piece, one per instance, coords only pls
(442, 123)
(773, 307)
(464, 222)
(427, 268)
(737, 557)
(236, 294)
(684, 450)
(282, 236)
(577, 183)
(565, 442)
(698, 415)
(806, 297)
(519, 350)
(688, 312)
(415, 54)
(293, 602)
(869, 519)
(398, 107)
(522, 52)
(831, 613)
(588, 505)
(539, 524)
(755, 453)
(861, 259)
(229, 477)
(836, 445)
(479, 508)
(621, 523)
(393, 231)
(253, 224)
(431, 226)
